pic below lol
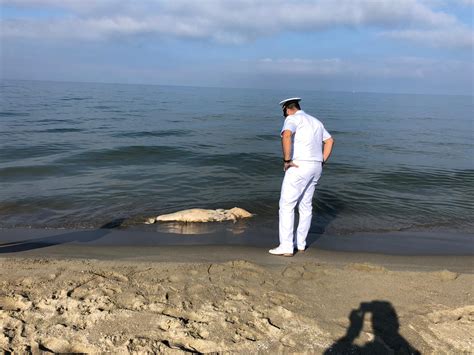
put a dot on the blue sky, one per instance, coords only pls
(422, 46)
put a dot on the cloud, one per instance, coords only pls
(292, 66)
(409, 74)
(74, 6)
(447, 3)
(466, 2)
(400, 67)
(231, 21)
(98, 28)
(459, 37)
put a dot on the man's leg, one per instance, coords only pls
(305, 209)
(291, 190)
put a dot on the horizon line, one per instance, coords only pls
(242, 88)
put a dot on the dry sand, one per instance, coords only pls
(286, 305)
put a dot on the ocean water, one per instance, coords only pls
(79, 155)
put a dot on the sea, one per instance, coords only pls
(81, 155)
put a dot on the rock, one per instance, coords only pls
(202, 215)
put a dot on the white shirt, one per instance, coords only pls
(309, 134)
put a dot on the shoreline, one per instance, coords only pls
(403, 243)
(211, 253)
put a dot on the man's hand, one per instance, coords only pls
(288, 165)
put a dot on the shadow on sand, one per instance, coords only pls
(385, 327)
(78, 236)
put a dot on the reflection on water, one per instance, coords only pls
(236, 228)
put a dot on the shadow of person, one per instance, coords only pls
(385, 327)
(77, 236)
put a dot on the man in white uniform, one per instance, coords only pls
(306, 147)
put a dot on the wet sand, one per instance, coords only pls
(69, 296)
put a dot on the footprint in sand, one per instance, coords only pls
(14, 303)
(449, 330)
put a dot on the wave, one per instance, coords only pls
(268, 137)
(243, 164)
(103, 107)
(16, 153)
(61, 130)
(415, 179)
(13, 114)
(76, 98)
(31, 173)
(162, 133)
(127, 155)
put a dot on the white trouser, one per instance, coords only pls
(297, 188)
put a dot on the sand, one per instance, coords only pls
(234, 300)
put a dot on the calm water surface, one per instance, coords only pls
(80, 155)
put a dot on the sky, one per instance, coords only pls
(406, 46)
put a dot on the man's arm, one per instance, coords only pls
(286, 137)
(327, 148)
(286, 144)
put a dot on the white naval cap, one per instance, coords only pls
(290, 100)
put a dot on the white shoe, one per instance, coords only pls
(300, 250)
(281, 252)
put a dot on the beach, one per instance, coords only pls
(159, 160)
(389, 267)
(218, 298)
